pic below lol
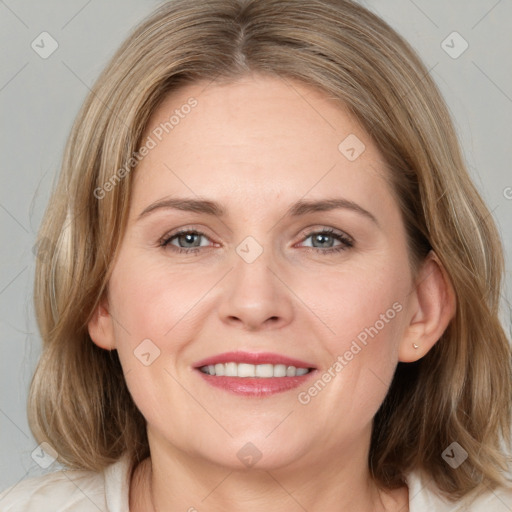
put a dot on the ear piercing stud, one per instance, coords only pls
(415, 346)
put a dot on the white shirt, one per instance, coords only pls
(108, 491)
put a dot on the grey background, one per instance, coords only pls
(40, 98)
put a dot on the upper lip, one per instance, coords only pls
(252, 358)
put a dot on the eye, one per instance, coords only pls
(187, 241)
(325, 239)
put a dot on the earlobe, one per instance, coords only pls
(100, 327)
(434, 307)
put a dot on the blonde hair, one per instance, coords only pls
(460, 391)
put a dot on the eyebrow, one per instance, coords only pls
(297, 209)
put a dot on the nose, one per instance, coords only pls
(255, 295)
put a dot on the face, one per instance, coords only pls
(327, 289)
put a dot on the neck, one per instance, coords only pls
(174, 480)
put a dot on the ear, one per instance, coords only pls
(100, 326)
(434, 304)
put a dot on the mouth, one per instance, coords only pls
(254, 374)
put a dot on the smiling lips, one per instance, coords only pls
(256, 374)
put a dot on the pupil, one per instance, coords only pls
(189, 237)
(322, 238)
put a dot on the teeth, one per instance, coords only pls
(279, 370)
(246, 370)
(264, 371)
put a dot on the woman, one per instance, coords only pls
(272, 284)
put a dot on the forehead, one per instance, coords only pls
(259, 137)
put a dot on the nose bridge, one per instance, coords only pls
(252, 273)
(254, 294)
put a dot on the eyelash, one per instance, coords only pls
(346, 242)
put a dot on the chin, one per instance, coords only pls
(253, 452)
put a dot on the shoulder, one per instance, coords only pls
(70, 491)
(59, 491)
(424, 497)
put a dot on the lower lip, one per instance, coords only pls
(253, 386)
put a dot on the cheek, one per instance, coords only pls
(152, 300)
(362, 304)
(364, 311)
(154, 310)
(158, 311)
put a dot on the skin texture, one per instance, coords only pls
(256, 146)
